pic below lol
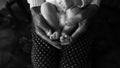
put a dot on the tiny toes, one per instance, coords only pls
(62, 39)
(54, 36)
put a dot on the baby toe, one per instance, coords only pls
(61, 39)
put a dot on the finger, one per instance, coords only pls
(61, 39)
(51, 37)
(55, 35)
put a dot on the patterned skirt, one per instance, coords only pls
(75, 55)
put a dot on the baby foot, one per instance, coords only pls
(54, 36)
(49, 33)
(65, 39)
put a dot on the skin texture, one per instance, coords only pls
(85, 14)
(38, 20)
(68, 20)
(43, 36)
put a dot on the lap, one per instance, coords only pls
(44, 54)
(76, 54)
(73, 55)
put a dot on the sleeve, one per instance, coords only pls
(34, 3)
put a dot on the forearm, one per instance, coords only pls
(88, 11)
(40, 22)
(80, 30)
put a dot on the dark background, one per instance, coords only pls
(15, 37)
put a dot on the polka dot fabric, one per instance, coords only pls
(76, 54)
(45, 55)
